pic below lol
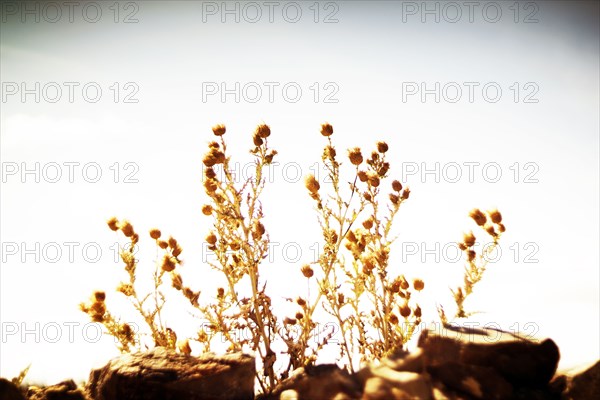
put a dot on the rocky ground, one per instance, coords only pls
(450, 363)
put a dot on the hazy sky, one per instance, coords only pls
(109, 106)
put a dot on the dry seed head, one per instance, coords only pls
(462, 246)
(135, 238)
(382, 147)
(374, 180)
(154, 233)
(100, 296)
(469, 239)
(351, 237)
(307, 271)
(405, 311)
(341, 298)
(211, 238)
(396, 185)
(207, 209)
(418, 284)
(263, 131)
(501, 227)
(403, 282)
(418, 311)
(162, 244)
(125, 288)
(301, 302)
(210, 173)
(113, 224)
(220, 292)
(98, 308)
(362, 176)
(214, 145)
(471, 255)
(394, 198)
(330, 152)
(299, 315)
(478, 216)
(490, 230)
(177, 251)
(393, 318)
(405, 193)
(210, 185)
(184, 347)
(374, 156)
(176, 280)
(289, 321)
(219, 130)
(495, 216)
(368, 223)
(127, 229)
(168, 263)
(172, 242)
(257, 140)
(367, 196)
(326, 129)
(355, 156)
(312, 184)
(385, 167)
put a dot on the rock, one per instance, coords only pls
(162, 374)
(488, 363)
(66, 390)
(584, 385)
(9, 391)
(323, 382)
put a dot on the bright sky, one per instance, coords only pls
(517, 90)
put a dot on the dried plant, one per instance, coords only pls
(372, 302)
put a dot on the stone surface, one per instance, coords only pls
(9, 391)
(488, 363)
(66, 390)
(583, 385)
(162, 374)
(326, 382)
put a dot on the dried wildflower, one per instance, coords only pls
(417, 311)
(471, 255)
(394, 198)
(367, 196)
(214, 145)
(405, 310)
(469, 239)
(490, 230)
(382, 147)
(257, 140)
(403, 282)
(501, 227)
(405, 194)
(393, 318)
(176, 280)
(210, 173)
(172, 242)
(351, 237)
(99, 296)
(330, 152)
(396, 185)
(495, 216)
(307, 271)
(341, 298)
(219, 130)
(154, 233)
(168, 263)
(258, 231)
(462, 246)
(301, 302)
(135, 238)
(162, 244)
(418, 284)
(312, 184)
(211, 238)
(289, 321)
(184, 347)
(478, 216)
(368, 223)
(220, 292)
(127, 229)
(374, 180)
(355, 156)
(98, 308)
(299, 315)
(177, 251)
(207, 209)
(362, 176)
(383, 170)
(263, 131)
(326, 129)
(113, 224)
(126, 289)
(214, 156)
(210, 185)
